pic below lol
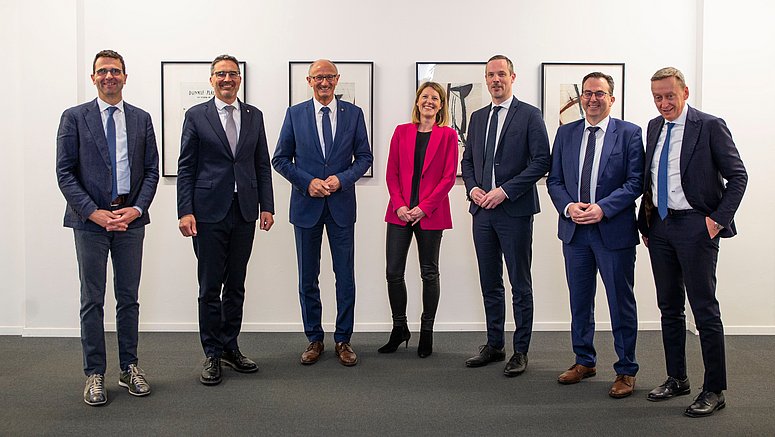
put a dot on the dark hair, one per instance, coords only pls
(108, 54)
(599, 75)
(508, 62)
(222, 58)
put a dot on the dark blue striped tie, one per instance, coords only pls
(489, 150)
(586, 170)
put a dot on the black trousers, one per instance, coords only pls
(223, 250)
(683, 260)
(399, 238)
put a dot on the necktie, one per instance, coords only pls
(110, 136)
(231, 129)
(328, 136)
(662, 175)
(489, 150)
(585, 194)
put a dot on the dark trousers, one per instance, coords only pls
(222, 250)
(585, 255)
(126, 254)
(341, 241)
(683, 260)
(398, 240)
(498, 236)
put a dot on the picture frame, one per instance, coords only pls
(183, 85)
(356, 86)
(561, 91)
(466, 92)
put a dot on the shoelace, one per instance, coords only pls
(96, 385)
(137, 376)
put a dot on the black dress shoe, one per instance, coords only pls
(211, 374)
(425, 347)
(398, 335)
(671, 388)
(706, 404)
(238, 362)
(487, 355)
(516, 365)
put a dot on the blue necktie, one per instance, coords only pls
(585, 194)
(328, 136)
(662, 175)
(489, 150)
(110, 136)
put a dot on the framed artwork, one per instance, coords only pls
(466, 92)
(561, 92)
(356, 86)
(183, 85)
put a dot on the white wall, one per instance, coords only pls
(56, 60)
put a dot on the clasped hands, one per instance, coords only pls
(488, 200)
(411, 216)
(585, 213)
(323, 188)
(117, 220)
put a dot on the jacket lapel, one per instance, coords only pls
(609, 141)
(246, 124)
(94, 123)
(132, 130)
(313, 127)
(343, 121)
(211, 112)
(577, 135)
(433, 146)
(691, 135)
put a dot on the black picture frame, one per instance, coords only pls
(184, 84)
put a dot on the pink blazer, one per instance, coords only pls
(438, 175)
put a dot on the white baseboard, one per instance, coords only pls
(11, 330)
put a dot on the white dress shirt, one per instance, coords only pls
(123, 176)
(676, 199)
(319, 122)
(599, 139)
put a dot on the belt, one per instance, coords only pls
(118, 201)
(680, 212)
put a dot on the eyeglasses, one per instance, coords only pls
(223, 74)
(586, 95)
(105, 71)
(328, 77)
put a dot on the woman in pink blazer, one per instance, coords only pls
(420, 173)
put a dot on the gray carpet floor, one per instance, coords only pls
(41, 385)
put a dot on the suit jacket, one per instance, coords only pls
(521, 157)
(207, 169)
(708, 157)
(619, 180)
(438, 175)
(299, 158)
(84, 169)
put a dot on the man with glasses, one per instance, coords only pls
(507, 152)
(686, 208)
(596, 175)
(108, 168)
(224, 186)
(323, 150)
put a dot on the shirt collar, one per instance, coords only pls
(103, 105)
(506, 104)
(603, 124)
(319, 106)
(220, 104)
(681, 118)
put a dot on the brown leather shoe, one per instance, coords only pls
(312, 354)
(623, 386)
(576, 373)
(346, 355)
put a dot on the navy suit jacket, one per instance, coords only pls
(299, 158)
(708, 157)
(521, 157)
(84, 169)
(207, 169)
(619, 180)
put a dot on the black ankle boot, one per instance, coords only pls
(398, 335)
(425, 348)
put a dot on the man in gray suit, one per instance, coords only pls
(108, 168)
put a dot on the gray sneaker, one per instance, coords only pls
(94, 393)
(133, 378)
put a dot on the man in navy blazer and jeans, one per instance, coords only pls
(507, 152)
(108, 168)
(323, 150)
(596, 175)
(224, 186)
(686, 208)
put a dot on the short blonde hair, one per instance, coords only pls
(664, 73)
(442, 117)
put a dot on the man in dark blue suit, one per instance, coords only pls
(507, 152)
(596, 175)
(686, 208)
(108, 168)
(224, 186)
(323, 150)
